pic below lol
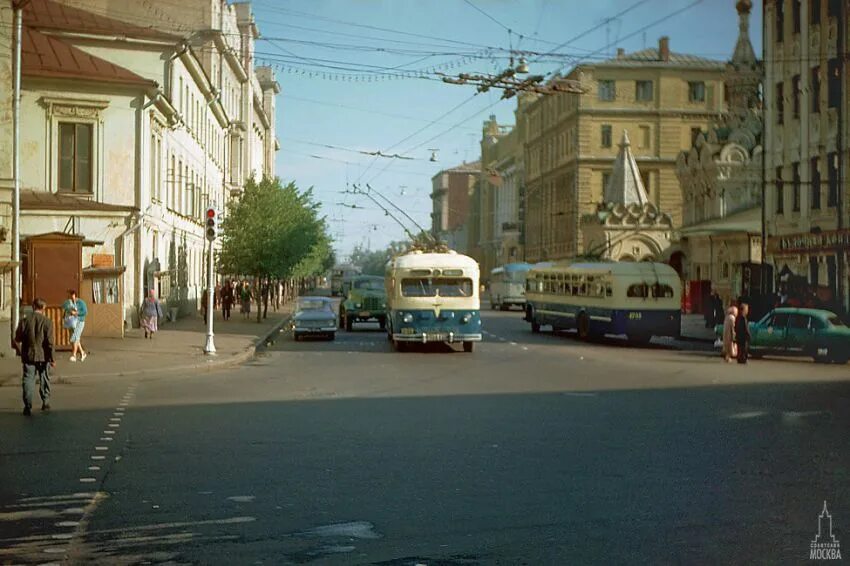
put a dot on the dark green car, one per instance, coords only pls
(817, 333)
(366, 300)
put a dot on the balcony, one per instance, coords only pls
(508, 227)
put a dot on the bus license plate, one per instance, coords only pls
(437, 337)
(634, 316)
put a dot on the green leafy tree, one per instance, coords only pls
(273, 231)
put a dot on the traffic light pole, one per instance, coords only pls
(209, 347)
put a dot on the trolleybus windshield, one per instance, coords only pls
(433, 286)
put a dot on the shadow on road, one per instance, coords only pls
(674, 475)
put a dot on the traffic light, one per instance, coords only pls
(211, 224)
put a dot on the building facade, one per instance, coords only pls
(806, 146)
(661, 97)
(720, 245)
(502, 187)
(451, 194)
(6, 176)
(127, 142)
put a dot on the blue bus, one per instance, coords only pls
(638, 300)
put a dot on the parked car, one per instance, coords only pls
(314, 316)
(818, 333)
(366, 300)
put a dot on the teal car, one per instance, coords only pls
(817, 333)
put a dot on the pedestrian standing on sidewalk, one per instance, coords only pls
(730, 349)
(74, 319)
(742, 333)
(226, 300)
(34, 344)
(245, 299)
(151, 313)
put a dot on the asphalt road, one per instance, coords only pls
(534, 449)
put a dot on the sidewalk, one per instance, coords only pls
(693, 328)
(178, 346)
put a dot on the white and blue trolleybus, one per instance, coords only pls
(638, 300)
(433, 297)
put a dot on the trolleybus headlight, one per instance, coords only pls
(408, 318)
(466, 318)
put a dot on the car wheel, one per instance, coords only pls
(382, 323)
(535, 327)
(583, 326)
(468, 345)
(503, 307)
(493, 305)
(349, 323)
(296, 336)
(332, 336)
(399, 346)
(839, 358)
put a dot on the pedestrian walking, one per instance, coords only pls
(226, 300)
(151, 313)
(265, 289)
(74, 320)
(742, 333)
(730, 348)
(245, 297)
(217, 296)
(34, 344)
(205, 297)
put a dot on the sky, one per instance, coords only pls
(339, 63)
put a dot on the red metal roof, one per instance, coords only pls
(50, 57)
(47, 15)
(43, 200)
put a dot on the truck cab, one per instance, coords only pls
(365, 300)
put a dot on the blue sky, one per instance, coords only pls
(335, 61)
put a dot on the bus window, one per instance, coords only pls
(609, 292)
(638, 291)
(431, 287)
(661, 291)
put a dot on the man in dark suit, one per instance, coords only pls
(742, 332)
(34, 343)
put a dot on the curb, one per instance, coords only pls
(209, 365)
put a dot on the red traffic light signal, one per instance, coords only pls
(212, 224)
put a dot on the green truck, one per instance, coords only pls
(366, 300)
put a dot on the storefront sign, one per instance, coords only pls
(807, 242)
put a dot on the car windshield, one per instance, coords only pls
(835, 321)
(433, 286)
(313, 305)
(369, 284)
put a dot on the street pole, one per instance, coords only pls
(16, 170)
(209, 347)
